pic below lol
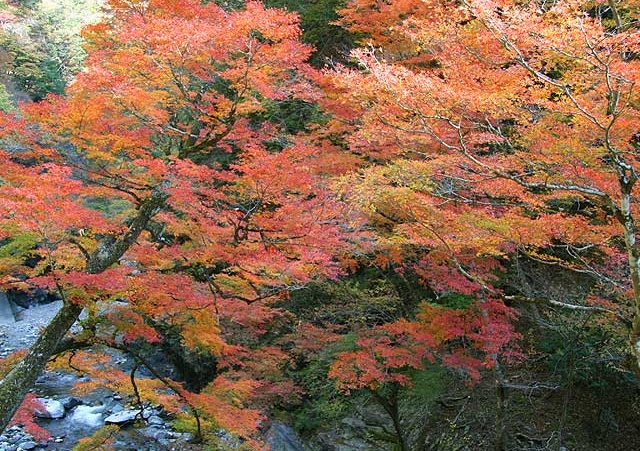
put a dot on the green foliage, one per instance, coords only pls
(18, 246)
(293, 115)
(586, 353)
(47, 51)
(324, 403)
(34, 72)
(456, 301)
(185, 423)
(56, 30)
(110, 207)
(5, 101)
(100, 440)
(332, 43)
(371, 296)
(350, 302)
(228, 5)
(426, 386)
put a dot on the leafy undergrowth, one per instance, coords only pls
(465, 419)
(460, 418)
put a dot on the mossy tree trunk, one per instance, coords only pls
(21, 378)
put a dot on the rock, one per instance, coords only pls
(149, 432)
(354, 422)
(122, 417)
(6, 313)
(155, 420)
(375, 415)
(161, 435)
(227, 439)
(281, 437)
(31, 298)
(52, 408)
(88, 415)
(27, 445)
(18, 438)
(71, 402)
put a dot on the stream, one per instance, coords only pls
(69, 417)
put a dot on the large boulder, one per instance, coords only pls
(6, 312)
(51, 408)
(122, 417)
(281, 437)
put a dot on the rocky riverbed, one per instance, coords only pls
(69, 418)
(23, 332)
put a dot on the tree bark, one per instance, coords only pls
(500, 439)
(21, 378)
(390, 405)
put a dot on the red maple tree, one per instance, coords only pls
(492, 129)
(159, 180)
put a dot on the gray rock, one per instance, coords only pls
(27, 445)
(161, 435)
(354, 422)
(373, 414)
(149, 432)
(6, 312)
(227, 439)
(281, 437)
(156, 420)
(52, 408)
(122, 417)
(70, 402)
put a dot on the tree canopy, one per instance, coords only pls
(199, 172)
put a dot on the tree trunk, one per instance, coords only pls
(21, 378)
(390, 405)
(625, 217)
(500, 439)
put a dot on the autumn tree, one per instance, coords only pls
(493, 130)
(159, 180)
(510, 127)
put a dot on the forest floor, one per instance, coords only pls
(545, 417)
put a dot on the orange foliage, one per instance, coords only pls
(168, 112)
(491, 128)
